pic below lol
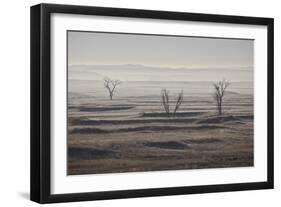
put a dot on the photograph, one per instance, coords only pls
(152, 102)
(131, 103)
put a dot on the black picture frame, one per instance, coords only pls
(40, 184)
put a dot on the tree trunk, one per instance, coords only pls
(220, 106)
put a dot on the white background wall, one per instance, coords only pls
(14, 102)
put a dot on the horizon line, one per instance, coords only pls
(170, 67)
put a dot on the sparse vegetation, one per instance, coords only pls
(156, 126)
(220, 88)
(166, 102)
(111, 85)
(179, 102)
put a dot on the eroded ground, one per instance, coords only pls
(133, 134)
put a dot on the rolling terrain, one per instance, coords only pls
(132, 133)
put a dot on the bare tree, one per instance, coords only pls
(179, 102)
(111, 85)
(165, 101)
(220, 88)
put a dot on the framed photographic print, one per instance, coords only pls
(133, 103)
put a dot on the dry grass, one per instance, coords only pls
(231, 146)
(132, 134)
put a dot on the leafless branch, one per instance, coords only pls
(220, 88)
(165, 101)
(111, 85)
(179, 102)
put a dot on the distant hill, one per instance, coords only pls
(138, 72)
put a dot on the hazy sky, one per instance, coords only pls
(91, 48)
